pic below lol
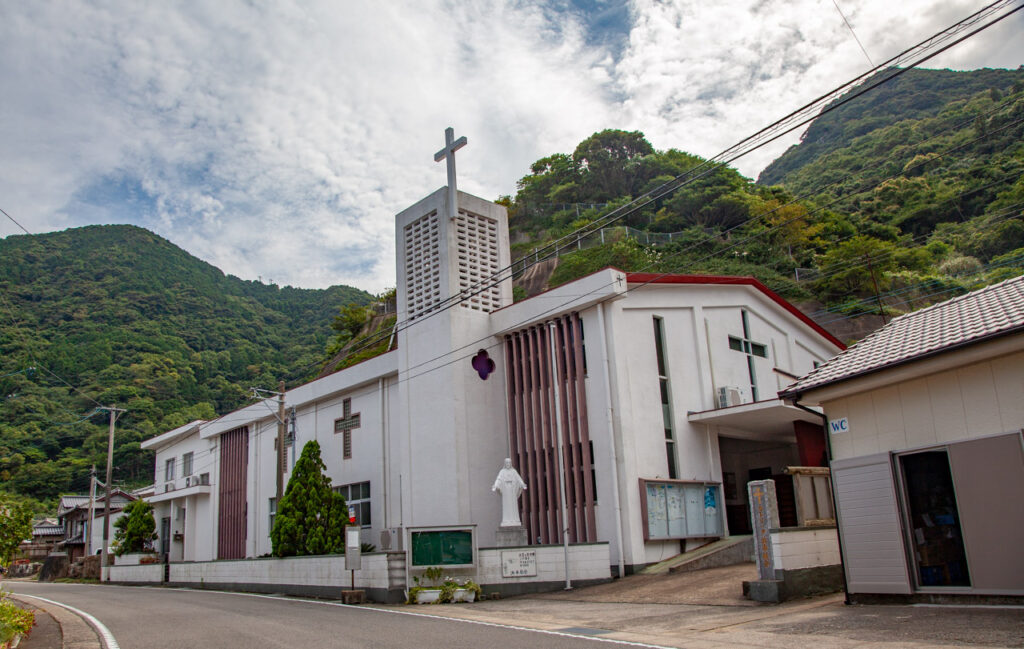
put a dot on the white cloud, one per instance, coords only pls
(279, 140)
(691, 68)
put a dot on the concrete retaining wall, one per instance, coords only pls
(806, 561)
(382, 575)
(807, 547)
(589, 563)
(138, 574)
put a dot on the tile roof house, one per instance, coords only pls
(73, 517)
(925, 420)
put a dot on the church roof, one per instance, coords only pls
(665, 278)
(991, 312)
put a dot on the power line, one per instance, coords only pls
(822, 105)
(14, 222)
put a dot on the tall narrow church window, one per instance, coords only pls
(666, 401)
(747, 346)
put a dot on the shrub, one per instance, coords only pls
(311, 517)
(14, 620)
(136, 530)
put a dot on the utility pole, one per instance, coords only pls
(110, 469)
(92, 502)
(280, 442)
(878, 298)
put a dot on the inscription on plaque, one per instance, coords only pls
(519, 563)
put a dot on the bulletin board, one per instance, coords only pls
(676, 509)
(442, 547)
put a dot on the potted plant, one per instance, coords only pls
(423, 594)
(452, 590)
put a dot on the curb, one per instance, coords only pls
(76, 632)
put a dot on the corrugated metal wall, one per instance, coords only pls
(870, 526)
(234, 463)
(534, 436)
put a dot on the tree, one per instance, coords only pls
(136, 530)
(609, 164)
(15, 526)
(311, 517)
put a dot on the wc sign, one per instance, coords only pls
(836, 426)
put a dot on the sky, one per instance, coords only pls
(277, 140)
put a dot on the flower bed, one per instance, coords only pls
(15, 622)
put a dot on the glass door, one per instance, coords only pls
(935, 537)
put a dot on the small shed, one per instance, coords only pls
(925, 420)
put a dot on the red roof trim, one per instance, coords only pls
(658, 278)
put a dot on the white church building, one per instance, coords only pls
(656, 392)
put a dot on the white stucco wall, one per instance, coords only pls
(805, 548)
(697, 321)
(976, 400)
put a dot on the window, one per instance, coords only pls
(747, 346)
(666, 401)
(358, 496)
(169, 470)
(186, 464)
(273, 513)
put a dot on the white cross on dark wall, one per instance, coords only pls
(451, 145)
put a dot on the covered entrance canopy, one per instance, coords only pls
(758, 441)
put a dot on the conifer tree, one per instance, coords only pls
(136, 530)
(311, 517)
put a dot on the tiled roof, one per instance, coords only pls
(69, 502)
(990, 312)
(48, 530)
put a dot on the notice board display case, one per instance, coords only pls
(679, 509)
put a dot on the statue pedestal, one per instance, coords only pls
(511, 537)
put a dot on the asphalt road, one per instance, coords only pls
(158, 618)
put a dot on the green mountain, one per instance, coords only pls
(903, 197)
(131, 320)
(906, 195)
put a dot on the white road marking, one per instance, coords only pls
(363, 607)
(105, 635)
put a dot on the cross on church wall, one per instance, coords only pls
(451, 145)
(747, 346)
(348, 422)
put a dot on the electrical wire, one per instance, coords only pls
(823, 104)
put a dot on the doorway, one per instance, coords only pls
(936, 539)
(165, 538)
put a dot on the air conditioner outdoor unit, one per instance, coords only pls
(391, 539)
(729, 395)
(191, 481)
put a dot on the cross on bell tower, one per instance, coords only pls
(451, 145)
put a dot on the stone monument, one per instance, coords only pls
(510, 484)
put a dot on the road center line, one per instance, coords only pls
(105, 635)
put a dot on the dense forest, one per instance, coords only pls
(126, 318)
(910, 194)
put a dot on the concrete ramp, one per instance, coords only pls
(729, 551)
